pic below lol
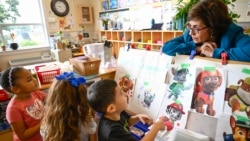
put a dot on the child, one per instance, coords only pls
(106, 97)
(26, 107)
(68, 116)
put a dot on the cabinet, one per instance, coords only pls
(140, 39)
(84, 14)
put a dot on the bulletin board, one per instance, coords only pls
(235, 77)
(147, 77)
(155, 89)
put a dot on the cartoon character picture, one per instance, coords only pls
(240, 99)
(206, 83)
(180, 77)
(240, 129)
(127, 85)
(174, 113)
(148, 98)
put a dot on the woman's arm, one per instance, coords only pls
(181, 45)
(238, 48)
(235, 43)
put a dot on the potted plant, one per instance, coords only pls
(13, 45)
(3, 47)
(105, 23)
(183, 6)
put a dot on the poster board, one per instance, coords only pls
(152, 76)
(146, 70)
(177, 100)
(220, 124)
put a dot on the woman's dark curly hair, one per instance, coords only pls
(214, 14)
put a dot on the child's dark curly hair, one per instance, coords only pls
(9, 77)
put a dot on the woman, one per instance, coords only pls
(210, 32)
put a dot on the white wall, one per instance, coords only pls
(19, 54)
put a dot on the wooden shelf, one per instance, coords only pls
(76, 54)
(154, 38)
(84, 14)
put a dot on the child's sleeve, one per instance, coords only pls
(13, 115)
(92, 126)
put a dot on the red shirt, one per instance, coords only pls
(30, 111)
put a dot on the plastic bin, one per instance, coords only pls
(46, 77)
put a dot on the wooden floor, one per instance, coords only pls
(6, 135)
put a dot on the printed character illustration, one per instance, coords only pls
(180, 76)
(127, 85)
(240, 99)
(174, 112)
(240, 130)
(206, 83)
(148, 98)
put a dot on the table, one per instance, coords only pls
(103, 73)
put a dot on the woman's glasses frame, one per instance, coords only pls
(195, 30)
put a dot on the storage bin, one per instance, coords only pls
(3, 95)
(85, 65)
(46, 77)
(4, 125)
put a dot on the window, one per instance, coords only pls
(28, 28)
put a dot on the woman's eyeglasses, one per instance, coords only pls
(195, 30)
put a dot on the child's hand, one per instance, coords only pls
(145, 119)
(160, 124)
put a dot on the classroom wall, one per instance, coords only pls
(93, 29)
(18, 54)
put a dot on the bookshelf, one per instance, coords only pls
(140, 39)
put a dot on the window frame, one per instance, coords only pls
(43, 24)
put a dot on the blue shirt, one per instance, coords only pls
(234, 42)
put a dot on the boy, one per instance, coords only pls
(106, 97)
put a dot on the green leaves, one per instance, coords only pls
(9, 11)
(183, 6)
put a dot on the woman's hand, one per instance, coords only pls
(207, 49)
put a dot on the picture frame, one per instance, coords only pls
(85, 35)
(105, 5)
(113, 4)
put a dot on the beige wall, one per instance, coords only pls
(93, 29)
(19, 54)
(95, 4)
